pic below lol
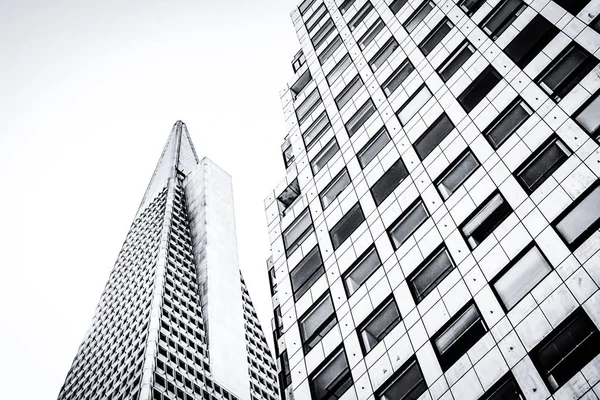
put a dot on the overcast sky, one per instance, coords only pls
(89, 93)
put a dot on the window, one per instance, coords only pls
(581, 219)
(384, 52)
(323, 33)
(317, 322)
(300, 84)
(456, 60)
(389, 181)
(433, 136)
(566, 71)
(531, 40)
(330, 49)
(332, 378)
(406, 384)
(339, 69)
(285, 376)
(324, 156)
(360, 117)
(289, 195)
(567, 349)
(520, 276)
(307, 272)
(346, 5)
(595, 24)
(457, 173)
(378, 324)
(315, 18)
(371, 34)
(436, 36)
(414, 104)
(470, 6)
(373, 147)
(316, 130)
(297, 232)
(482, 222)
(360, 16)
(418, 15)
(350, 90)
(572, 6)
(588, 116)
(397, 5)
(458, 335)
(397, 77)
(542, 164)
(479, 88)
(408, 222)
(430, 273)
(501, 17)
(346, 226)
(298, 61)
(507, 123)
(334, 188)
(303, 8)
(308, 105)
(288, 155)
(361, 270)
(505, 389)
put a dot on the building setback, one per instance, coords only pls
(437, 232)
(175, 320)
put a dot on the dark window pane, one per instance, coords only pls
(330, 49)
(289, 195)
(360, 16)
(501, 17)
(406, 384)
(349, 91)
(397, 77)
(479, 88)
(346, 226)
(306, 272)
(305, 6)
(323, 157)
(507, 123)
(542, 164)
(531, 40)
(316, 17)
(361, 270)
(371, 33)
(396, 5)
(595, 24)
(373, 147)
(314, 132)
(360, 117)
(317, 322)
(581, 219)
(419, 15)
(458, 172)
(407, 223)
(288, 155)
(433, 136)
(379, 324)
(430, 273)
(456, 60)
(470, 6)
(572, 6)
(331, 379)
(436, 36)
(389, 181)
(588, 116)
(479, 225)
(346, 5)
(323, 33)
(505, 389)
(383, 54)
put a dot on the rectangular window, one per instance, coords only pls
(346, 226)
(317, 322)
(332, 378)
(456, 60)
(346, 5)
(289, 195)
(360, 117)
(330, 49)
(430, 273)
(303, 80)
(297, 232)
(470, 7)
(408, 222)
(436, 36)
(479, 88)
(407, 383)
(306, 273)
(361, 270)
(507, 123)
(581, 219)
(360, 16)
(588, 116)
(389, 181)
(334, 188)
(501, 17)
(487, 217)
(505, 389)
(414, 104)
(397, 5)
(378, 324)
(567, 349)
(458, 335)
(323, 157)
(433, 136)
(456, 174)
(316, 130)
(397, 77)
(373, 147)
(383, 54)
(371, 34)
(298, 61)
(595, 24)
(285, 376)
(339, 69)
(315, 18)
(303, 8)
(572, 6)
(348, 92)
(288, 155)
(520, 276)
(566, 71)
(531, 40)
(542, 163)
(323, 33)
(418, 15)
(308, 105)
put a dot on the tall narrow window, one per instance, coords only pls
(414, 104)
(295, 234)
(346, 226)
(407, 383)
(458, 335)
(505, 389)
(332, 378)
(308, 105)
(288, 155)
(457, 173)
(379, 324)
(501, 17)
(360, 117)
(567, 349)
(531, 40)
(371, 34)
(323, 157)
(348, 92)
(307, 272)
(487, 217)
(507, 123)
(407, 223)
(578, 222)
(314, 132)
(397, 5)
(397, 77)
(330, 49)
(317, 322)
(430, 273)
(373, 147)
(316, 17)
(389, 181)
(566, 71)
(361, 270)
(323, 33)
(335, 187)
(360, 16)
(436, 36)
(542, 163)
(470, 6)
(418, 15)
(479, 88)
(346, 5)
(339, 69)
(383, 54)
(433, 136)
(588, 116)
(572, 6)
(456, 60)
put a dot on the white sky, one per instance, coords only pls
(89, 93)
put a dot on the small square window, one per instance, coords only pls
(376, 326)
(501, 17)
(487, 217)
(407, 224)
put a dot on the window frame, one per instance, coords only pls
(465, 44)
(499, 220)
(360, 16)
(406, 64)
(312, 127)
(470, 11)
(337, 69)
(595, 134)
(360, 113)
(371, 33)
(379, 393)
(536, 48)
(314, 276)
(484, 77)
(403, 215)
(341, 222)
(352, 88)
(501, 116)
(494, 35)
(302, 237)
(409, 100)
(397, 164)
(323, 33)
(428, 40)
(324, 325)
(333, 143)
(410, 278)
(345, 375)
(395, 3)
(330, 185)
(493, 390)
(375, 63)
(428, 131)
(380, 133)
(416, 13)
(330, 49)
(372, 317)
(451, 167)
(345, 5)
(356, 265)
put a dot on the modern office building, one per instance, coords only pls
(437, 232)
(175, 320)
